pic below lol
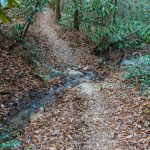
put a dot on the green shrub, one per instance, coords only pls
(8, 140)
(139, 71)
(107, 22)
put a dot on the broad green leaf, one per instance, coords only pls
(16, 3)
(4, 3)
(4, 18)
(9, 4)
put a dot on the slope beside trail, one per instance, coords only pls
(60, 49)
(80, 120)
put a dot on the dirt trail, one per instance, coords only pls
(60, 48)
(81, 120)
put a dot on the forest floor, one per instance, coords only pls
(103, 115)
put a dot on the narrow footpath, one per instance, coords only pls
(81, 119)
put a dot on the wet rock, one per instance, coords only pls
(55, 73)
(126, 62)
(44, 78)
(89, 88)
(89, 75)
(73, 73)
(130, 61)
(83, 80)
(41, 109)
(47, 77)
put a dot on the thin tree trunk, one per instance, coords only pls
(58, 11)
(25, 30)
(76, 20)
(76, 17)
(115, 13)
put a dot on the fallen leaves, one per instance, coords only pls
(77, 121)
(129, 121)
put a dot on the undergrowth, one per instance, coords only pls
(35, 53)
(9, 140)
(139, 72)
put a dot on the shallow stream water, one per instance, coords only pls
(38, 100)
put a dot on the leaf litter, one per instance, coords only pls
(117, 119)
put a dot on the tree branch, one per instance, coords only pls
(26, 27)
(125, 38)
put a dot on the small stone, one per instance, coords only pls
(52, 148)
(3, 106)
(73, 72)
(41, 109)
(86, 68)
(129, 136)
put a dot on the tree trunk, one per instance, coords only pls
(76, 20)
(76, 17)
(115, 12)
(58, 12)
